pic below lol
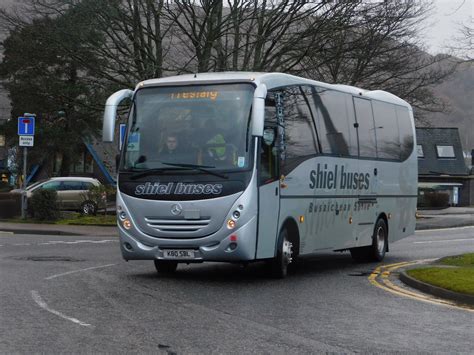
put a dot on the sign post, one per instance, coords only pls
(26, 132)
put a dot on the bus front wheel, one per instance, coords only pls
(284, 255)
(165, 267)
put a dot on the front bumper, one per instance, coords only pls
(214, 247)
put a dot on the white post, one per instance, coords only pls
(23, 194)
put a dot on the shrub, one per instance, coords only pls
(10, 205)
(44, 205)
(4, 186)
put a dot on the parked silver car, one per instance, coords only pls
(72, 192)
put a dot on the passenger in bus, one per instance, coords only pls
(215, 142)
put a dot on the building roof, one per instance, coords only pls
(431, 164)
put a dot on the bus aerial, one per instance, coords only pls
(241, 167)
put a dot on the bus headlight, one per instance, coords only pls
(122, 215)
(236, 214)
(127, 224)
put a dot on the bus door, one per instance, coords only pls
(268, 188)
(365, 206)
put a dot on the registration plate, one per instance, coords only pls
(178, 254)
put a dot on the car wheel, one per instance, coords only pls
(88, 208)
(284, 255)
(165, 267)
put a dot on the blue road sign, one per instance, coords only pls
(26, 126)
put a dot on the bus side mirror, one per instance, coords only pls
(258, 110)
(110, 113)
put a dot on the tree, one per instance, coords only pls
(362, 43)
(378, 49)
(42, 78)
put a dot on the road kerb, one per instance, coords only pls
(435, 290)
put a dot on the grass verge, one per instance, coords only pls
(458, 279)
(99, 220)
(459, 260)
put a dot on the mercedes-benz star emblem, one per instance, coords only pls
(176, 209)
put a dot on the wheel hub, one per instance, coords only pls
(287, 252)
(380, 240)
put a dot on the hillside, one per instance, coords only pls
(458, 91)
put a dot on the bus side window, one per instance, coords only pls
(300, 135)
(268, 148)
(406, 132)
(334, 119)
(388, 140)
(366, 129)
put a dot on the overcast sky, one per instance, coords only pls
(444, 23)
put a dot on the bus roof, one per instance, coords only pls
(271, 80)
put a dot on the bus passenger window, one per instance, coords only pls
(268, 148)
(388, 141)
(406, 132)
(366, 130)
(334, 116)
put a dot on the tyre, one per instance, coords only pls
(165, 267)
(88, 208)
(376, 251)
(284, 257)
(379, 241)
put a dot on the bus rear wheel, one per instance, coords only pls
(379, 241)
(279, 265)
(165, 267)
(376, 251)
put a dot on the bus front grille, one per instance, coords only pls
(177, 225)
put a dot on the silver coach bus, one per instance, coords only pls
(240, 167)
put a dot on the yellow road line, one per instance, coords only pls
(384, 271)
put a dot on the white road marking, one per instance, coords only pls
(445, 241)
(80, 270)
(39, 301)
(22, 244)
(443, 229)
(78, 242)
(5, 232)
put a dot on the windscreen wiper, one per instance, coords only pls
(140, 173)
(203, 168)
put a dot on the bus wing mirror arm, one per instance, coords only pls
(110, 113)
(258, 110)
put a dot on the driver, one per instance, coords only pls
(171, 148)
